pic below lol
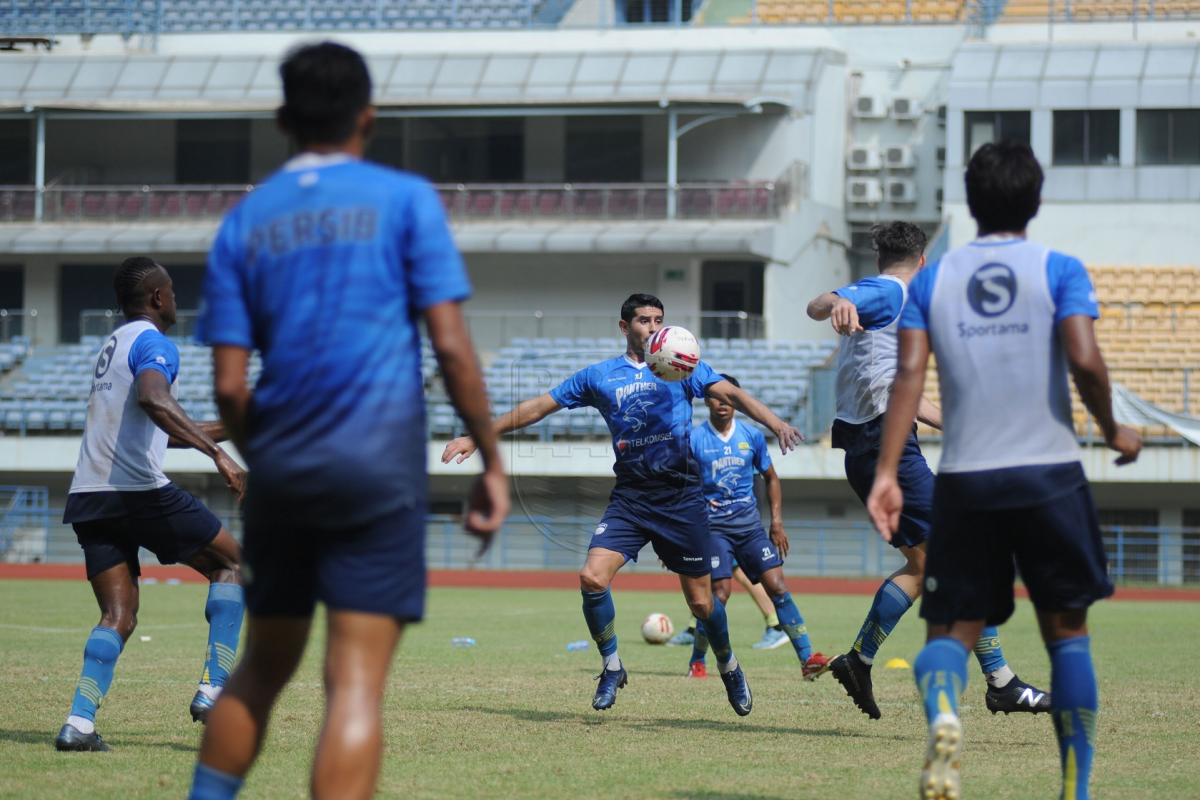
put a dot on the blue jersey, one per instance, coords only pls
(650, 420)
(324, 269)
(878, 301)
(727, 465)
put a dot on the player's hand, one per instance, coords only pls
(844, 317)
(884, 505)
(233, 475)
(1127, 442)
(488, 506)
(779, 539)
(462, 447)
(789, 438)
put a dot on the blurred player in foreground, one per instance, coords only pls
(729, 455)
(657, 497)
(867, 314)
(1007, 319)
(120, 499)
(326, 268)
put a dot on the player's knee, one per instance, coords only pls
(590, 581)
(227, 573)
(123, 621)
(722, 594)
(774, 585)
(701, 608)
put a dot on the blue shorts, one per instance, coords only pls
(168, 522)
(916, 481)
(675, 524)
(376, 568)
(747, 547)
(969, 566)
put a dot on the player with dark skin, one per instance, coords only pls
(116, 589)
(359, 646)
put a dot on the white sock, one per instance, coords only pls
(865, 659)
(81, 724)
(1000, 677)
(209, 691)
(729, 666)
(612, 663)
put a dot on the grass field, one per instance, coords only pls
(511, 717)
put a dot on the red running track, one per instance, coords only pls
(664, 582)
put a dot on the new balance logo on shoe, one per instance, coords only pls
(1031, 697)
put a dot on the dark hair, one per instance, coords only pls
(636, 301)
(731, 379)
(134, 279)
(897, 242)
(325, 87)
(1004, 184)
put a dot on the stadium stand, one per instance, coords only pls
(1088, 10)
(849, 11)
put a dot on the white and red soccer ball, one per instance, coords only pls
(657, 629)
(672, 353)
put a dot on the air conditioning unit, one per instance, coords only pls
(870, 106)
(899, 156)
(866, 191)
(941, 115)
(939, 196)
(906, 108)
(901, 190)
(941, 156)
(863, 157)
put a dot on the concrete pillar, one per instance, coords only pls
(1170, 542)
(41, 292)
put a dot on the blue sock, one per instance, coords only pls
(793, 624)
(987, 650)
(601, 615)
(941, 673)
(211, 784)
(100, 656)
(1076, 703)
(887, 608)
(717, 629)
(224, 610)
(699, 643)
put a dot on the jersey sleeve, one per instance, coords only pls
(434, 269)
(701, 378)
(915, 315)
(695, 441)
(878, 301)
(224, 308)
(1071, 287)
(152, 350)
(575, 391)
(762, 455)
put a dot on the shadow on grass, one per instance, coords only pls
(708, 795)
(46, 739)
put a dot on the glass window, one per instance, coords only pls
(1168, 136)
(604, 149)
(1087, 138)
(16, 143)
(212, 151)
(982, 127)
(658, 10)
(468, 150)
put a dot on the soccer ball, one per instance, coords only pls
(657, 628)
(672, 353)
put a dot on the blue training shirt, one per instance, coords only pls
(877, 300)
(325, 268)
(650, 420)
(728, 464)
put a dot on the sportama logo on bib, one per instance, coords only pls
(992, 290)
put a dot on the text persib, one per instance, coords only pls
(966, 331)
(316, 228)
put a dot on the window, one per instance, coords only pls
(604, 149)
(468, 150)
(1168, 136)
(982, 127)
(658, 11)
(1087, 138)
(212, 151)
(16, 166)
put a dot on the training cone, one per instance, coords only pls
(897, 663)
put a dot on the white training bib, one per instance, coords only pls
(866, 366)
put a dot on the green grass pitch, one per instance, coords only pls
(511, 717)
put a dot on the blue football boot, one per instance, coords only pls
(738, 691)
(201, 707)
(606, 692)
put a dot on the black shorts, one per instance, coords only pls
(168, 522)
(377, 567)
(916, 482)
(974, 554)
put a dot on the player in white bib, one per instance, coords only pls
(1007, 320)
(120, 500)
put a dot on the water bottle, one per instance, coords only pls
(462, 641)
(576, 646)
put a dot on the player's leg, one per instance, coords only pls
(710, 612)
(1076, 697)
(696, 665)
(722, 563)
(350, 749)
(773, 635)
(813, 665)
(1005, 691)
(940, 670)
(600, 614)
(219, 561)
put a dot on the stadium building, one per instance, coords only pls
(729, 156)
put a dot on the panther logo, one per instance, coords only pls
(636, 413)
(728, 481)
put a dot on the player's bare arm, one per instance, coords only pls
(530, 412)
(775, 503)
(231, 390)
(841, 313)
(1078, 334)
(886, 499)
(489, 501)
(929, 414)
(788, 435)
(154, 397)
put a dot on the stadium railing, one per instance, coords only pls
(835, 549)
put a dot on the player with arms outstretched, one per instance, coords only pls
(657, 497)
(729, 454)
(120, 500)
(867, 314)
(1007, 320)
